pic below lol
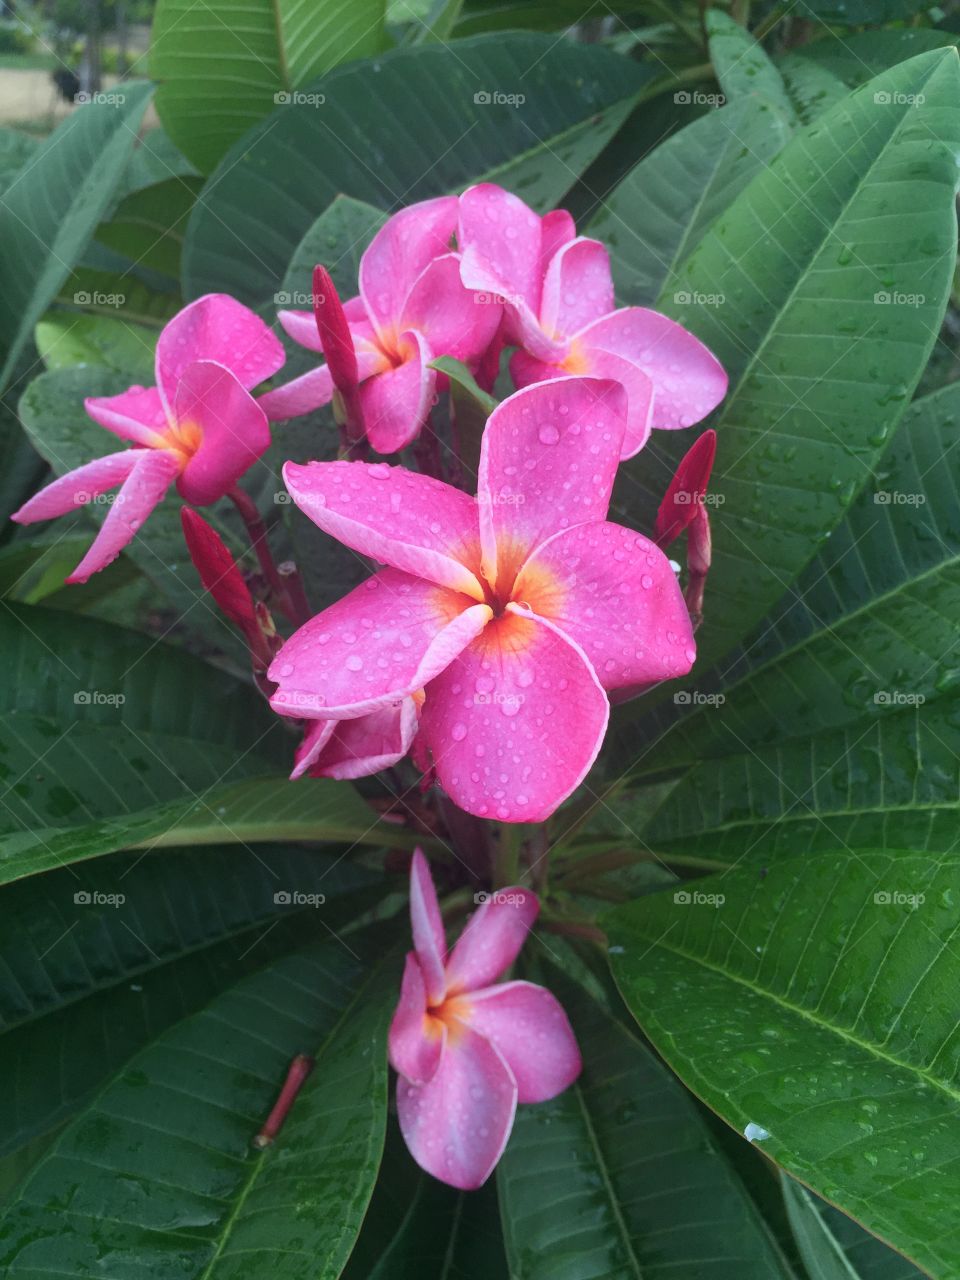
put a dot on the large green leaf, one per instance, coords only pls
(16, 148)
(618, 1176)
(226, 65)
(49, 213)
(149, 224)
(857, 58)
(810, 1007)
(95, 965)
(741, 64)
(158, 1172)
(66, 338)
(887, 784)
(419, 1227)
(665, 205)
(835, 1248)
(270, 188)
(821, 289)
(869, 626)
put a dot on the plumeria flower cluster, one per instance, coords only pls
(467, 1048)
(495, 628)
(464, 277)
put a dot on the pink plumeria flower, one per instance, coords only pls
(515, 612)
(199, 426)
(360, 747)
(412, 308)
(465, 1048)
(558, 295)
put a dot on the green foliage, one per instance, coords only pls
(769, 1084)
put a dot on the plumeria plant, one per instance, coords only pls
(480, 744)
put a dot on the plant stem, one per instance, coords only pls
(257, 533)
(506, 865)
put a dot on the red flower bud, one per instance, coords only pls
(218, 570)
(686, 492)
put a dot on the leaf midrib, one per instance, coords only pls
(608, 1184)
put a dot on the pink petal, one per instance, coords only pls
(492, 940)
(688, 379)
(499, 238)
(302, 328)
(416, 1040)
(400, 250)
(136, 414)
(548, 461)
(346, 749)
(395, 517)
(142, 490)
(79, 486)
(453, 319)
(397, 401)
(314, 389)
(233, 427)
(515, 723)
(557, 228)
(500, 241)
(217, 327)
(377, 645)
(613, 592)
(529, 1028)
(457, 1125)
(577, 288)
(429, 938)
(525, 370)
(301, 395)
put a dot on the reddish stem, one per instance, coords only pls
(300, 1068)
(257, 532)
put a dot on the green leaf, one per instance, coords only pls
(68, 338)
(16, 148)
(419, 1227)
(808, 1006)
(164, 1181)
(118, 296)
(618, 1176)
(887, 784)
(869, 625)
(95, 965)
(790, 278)
(148, 226)
(741, 64)
(125, 680)
(336, 240)
(857, 58)
(471, 407)
(224, 67)
(265, 196)
(662, 209)
(833, 1247)
(812, 87)
(48, 216)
